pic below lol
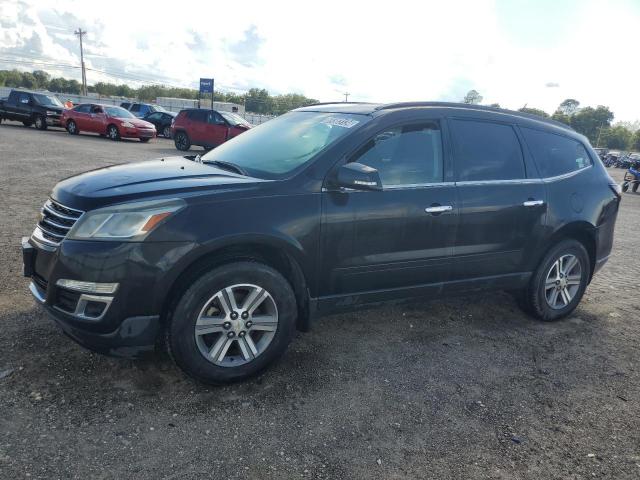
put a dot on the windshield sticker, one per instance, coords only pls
(341, 122)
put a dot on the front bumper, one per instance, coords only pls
(54, 120)
(129, 323)
(138, 133)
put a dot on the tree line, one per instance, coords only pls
(256, 100)
(593, 123)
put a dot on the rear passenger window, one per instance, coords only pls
(486, 151)
(407, 155)
(135, 108)
(85, 108)
(197, 115)
(555, 154)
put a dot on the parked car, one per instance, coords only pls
(206, 128)
(602, 152)
(31, 108)
(141, 110)
(323, 209)
(162, 121)
(107, 120)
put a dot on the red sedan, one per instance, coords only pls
(107, 120)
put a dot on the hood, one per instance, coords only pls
(138, 122)
(153, 178)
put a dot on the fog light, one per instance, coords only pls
(87, 287)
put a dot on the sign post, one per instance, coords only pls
(206, 86)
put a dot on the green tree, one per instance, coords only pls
(569, 106)
(42, 79)
(589, 120)
(634, 142)
(617, 137)
(472, 97)
(534, 111)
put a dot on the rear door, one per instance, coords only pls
(397, 242)
(82, 116)
(217, 129)
(501, 200)
(197, 128)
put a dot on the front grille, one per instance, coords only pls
(55, 222)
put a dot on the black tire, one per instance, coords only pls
(27, 123)
(533, 299)
(166, 132)
(145, 140)
(625, 186)
(182, 141)
(180, 333)
(72, 127)
(40, 122)
(113, 133)
(634, 189)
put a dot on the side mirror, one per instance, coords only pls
(359, 177)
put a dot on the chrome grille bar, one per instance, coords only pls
(55, 222)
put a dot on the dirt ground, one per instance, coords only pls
(460, 388)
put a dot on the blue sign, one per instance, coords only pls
(206, 85)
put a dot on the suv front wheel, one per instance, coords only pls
(232, 323)
(181, 139)
(559, 282)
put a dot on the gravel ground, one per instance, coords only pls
(460, 388)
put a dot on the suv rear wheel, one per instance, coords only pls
(559, 282)
(232, 323)
(182, 141)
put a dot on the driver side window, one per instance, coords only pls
(406, 155)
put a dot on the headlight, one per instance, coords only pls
(130, 221)
(52, 112)
(128, 125)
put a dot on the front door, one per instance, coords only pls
(501, 201)
(397, 242)
(217, 129)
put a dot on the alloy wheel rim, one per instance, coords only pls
(113, 132)
(563, 281)
(39, 122)
(236, 325)
(72, 127)
(167, 132)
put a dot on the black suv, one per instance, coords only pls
(31, 108)
(326, 208)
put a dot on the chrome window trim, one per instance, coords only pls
(566, 175)
(520, 181)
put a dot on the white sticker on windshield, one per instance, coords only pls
(341, 122)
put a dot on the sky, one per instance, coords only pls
(514, 52)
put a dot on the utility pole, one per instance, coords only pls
(80, 33)
(599, 133)
(346, 97)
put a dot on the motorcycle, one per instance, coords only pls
(631, 178)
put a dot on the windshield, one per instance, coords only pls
(276, 148)
(232, 118)
(47, 100)
(118, 112)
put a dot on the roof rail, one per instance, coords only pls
(335, 103)
(470, 106)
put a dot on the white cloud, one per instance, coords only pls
(377, 51)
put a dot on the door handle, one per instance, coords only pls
(533, 203)
(438, 209)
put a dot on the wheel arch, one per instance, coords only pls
(274, 253)
(583, 232)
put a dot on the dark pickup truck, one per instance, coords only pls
(31, 108)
